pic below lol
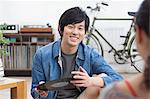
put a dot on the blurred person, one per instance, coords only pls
(136, 87)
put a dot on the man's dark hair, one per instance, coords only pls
(72, 16)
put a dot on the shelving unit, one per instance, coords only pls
(21, 51)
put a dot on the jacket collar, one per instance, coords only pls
(57, 50)
(81, 51)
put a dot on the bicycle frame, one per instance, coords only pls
(121, 56)
(127, 37)
(124, 55)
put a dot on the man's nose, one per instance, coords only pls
(75, 31)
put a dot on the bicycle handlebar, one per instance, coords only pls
(104, 4)
(97, 8)
(132, 13)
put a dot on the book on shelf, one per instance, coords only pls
(20, 57)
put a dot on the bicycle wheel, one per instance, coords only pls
(92, 41)
(136, 59)
(119, 57)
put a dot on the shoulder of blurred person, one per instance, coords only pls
(113, 91)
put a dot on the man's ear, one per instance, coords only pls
(59, 30)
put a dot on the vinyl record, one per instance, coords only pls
(54, 84)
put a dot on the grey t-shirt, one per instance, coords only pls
(68, 64)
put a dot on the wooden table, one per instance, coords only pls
(18, 87)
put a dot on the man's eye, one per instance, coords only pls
(69, 26)
(81, 28)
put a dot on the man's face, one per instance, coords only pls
(73, 34)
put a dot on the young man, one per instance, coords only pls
(62, 59)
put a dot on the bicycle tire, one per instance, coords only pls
(135, 58)
(119, 59)
(92, 41)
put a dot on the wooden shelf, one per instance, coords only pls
(21, 51)
(28, 34)
(29, 43)
(35, 30)
(21, 36)
(17, 72)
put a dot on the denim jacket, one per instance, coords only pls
(46, 66)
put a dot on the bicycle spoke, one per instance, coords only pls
(92, 41)
(136, 59)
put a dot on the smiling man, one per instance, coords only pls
(70, 58)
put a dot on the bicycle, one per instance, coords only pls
(121, 56)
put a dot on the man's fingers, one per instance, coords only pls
(78, 73)
(80, 85)
(41, 82)
(43, 93)
(77, 81)
(81, 72)
(82, 69)
(79, 77)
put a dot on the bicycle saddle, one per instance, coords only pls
(132, 13)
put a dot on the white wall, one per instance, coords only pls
(41, 12)
(48, 11)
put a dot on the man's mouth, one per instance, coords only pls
(73, 38)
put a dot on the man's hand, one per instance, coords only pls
(41, 92)
(82, 79)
